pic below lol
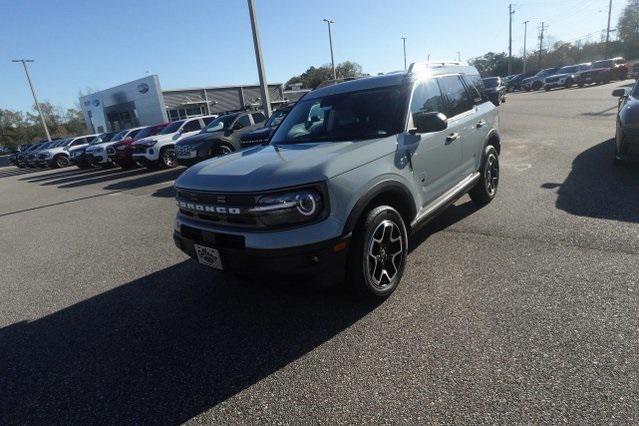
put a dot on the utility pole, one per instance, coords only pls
(33, 92)
(608, 29)
(404, 41)
(541, 43)
(459, 56)
(511, 12)
(525, 35)
(266, 101)
(330, 42)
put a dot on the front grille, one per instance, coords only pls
(182, 151)
(218, 208)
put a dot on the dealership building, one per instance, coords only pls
(142, 102)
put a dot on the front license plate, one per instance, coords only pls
(208, 256)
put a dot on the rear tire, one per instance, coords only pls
(486, 188)
(377, 256)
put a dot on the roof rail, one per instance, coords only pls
(416, 66)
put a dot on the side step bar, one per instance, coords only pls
(444, 200)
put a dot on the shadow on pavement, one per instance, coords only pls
(106, 176)
(81, 178)
(163, 348)
(11, 171)
(166, 192)
(447, 218)
(146, 180)
(62, 173)
(597, 188)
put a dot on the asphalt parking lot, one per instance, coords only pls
(524, 311)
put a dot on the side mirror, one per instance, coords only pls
(429, 122)
(619, 93)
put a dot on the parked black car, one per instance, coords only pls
(495, 90)
(515, 83)
(262, 135)
(220, 137)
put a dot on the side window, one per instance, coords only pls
(243, 121)
(207, 120)
(258, 117)
(191, 126)
(457, 97)
(427, 98)
(78, 142)
(476, 87)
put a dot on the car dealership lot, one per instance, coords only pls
(523, 311)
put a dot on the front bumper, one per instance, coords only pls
(320, 261)
(96, 158)
(150, 155)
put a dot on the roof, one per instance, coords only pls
(416, 70)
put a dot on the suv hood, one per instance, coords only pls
(159, 138)
(200, 137)
(280, 166)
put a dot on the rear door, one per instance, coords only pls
(483, 121)
(436, 159)
(462, 121)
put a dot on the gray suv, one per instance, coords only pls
(351, 171)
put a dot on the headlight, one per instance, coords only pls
(148, 144)
(290, 208)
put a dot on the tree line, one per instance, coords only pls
(17, 127)
(569, 53)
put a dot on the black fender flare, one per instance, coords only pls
(387, 186)
(493, 134)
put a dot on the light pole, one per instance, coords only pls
(330, 42)
(525, 37)
(459, 56)
(266, 101)
(404, 41)
(35, 98)
(608, 29)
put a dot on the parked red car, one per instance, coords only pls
(120, 153)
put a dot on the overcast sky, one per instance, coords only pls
(80, 44)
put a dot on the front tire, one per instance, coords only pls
(167, 158)
(378, 254)
(486, 188)
(60, 162)
(536, 86)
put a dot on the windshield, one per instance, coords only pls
(220, 123)
(118, 136)
(148, 131)
(276, 118)
(569, 70)
(107, 136)
(172, 128)
(602, 64)
(491, 82)
(345, 116)
(546, 72)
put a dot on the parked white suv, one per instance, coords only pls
(159, 150)
(96, 153)
(58, 156)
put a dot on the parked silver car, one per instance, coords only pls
(351, 171)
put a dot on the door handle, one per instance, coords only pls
(481, 123)
(452, 137)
